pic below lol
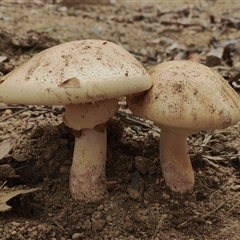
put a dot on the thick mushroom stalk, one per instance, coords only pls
(87, 176)
(175, 162)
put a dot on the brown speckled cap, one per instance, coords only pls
(187, 96)
(75, 72)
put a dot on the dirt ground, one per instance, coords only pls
(141, 206)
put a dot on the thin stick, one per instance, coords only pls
(130, 118)
(1, 187)
(220, 157)
(184, 224)
(160, 223)
(57, 224)
(14, 114)
(27, 109)
(233, 225)
(238, 202)
(234, 78)
(11, 107)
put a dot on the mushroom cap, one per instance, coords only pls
(187, 97)
(75, 72)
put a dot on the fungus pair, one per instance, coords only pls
(89, 76)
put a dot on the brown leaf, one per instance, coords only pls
(6, 146)
(4, 197)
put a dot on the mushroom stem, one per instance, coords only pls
(176, 165)
(87, 176)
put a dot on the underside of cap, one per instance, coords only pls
(187, 97)
(75, 72)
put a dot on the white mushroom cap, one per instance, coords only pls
(187, 97)
(75, 72)
(87, 77)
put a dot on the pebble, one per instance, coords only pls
(99, 224)
(34, 234)
(109, 218)
(142, 164)
(141, 216)
(77, 236)
(165, 196)
(133, 194)
(100, 207)
(16, 224)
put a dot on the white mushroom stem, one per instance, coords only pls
(87, 176)
(176, 165)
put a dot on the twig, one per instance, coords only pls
(130, 118)
(206, 140)
(214, 165)
(220, 157)
(1, 187)
(234, 78)
(211, 196)
(238, 202)
(195, 218)
(211, 163)
(16, 169)
(14, 114)
(233, 225)
(61, 227)
(11, 107)
(160, 223)
(34, 108)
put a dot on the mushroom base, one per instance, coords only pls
(87, 177)
(176, 165)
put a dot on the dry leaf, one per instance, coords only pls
(3, 58)
(6, 146)
(4, 197)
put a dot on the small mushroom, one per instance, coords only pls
(186, 97)
(87, 77)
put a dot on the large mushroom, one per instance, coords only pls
(186, 97)
(87, 77)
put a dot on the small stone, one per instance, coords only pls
(142, 164)
(77, 236)
(152, 170)
(64, 169)
(165, 196)
(87, 224)
(16, 224)
(100, 207)
(128, 225)
(13, 233)
(141, 216)
(133, 194)
(98, 225)
(8, 112)
(34, 234)
(109, 218)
